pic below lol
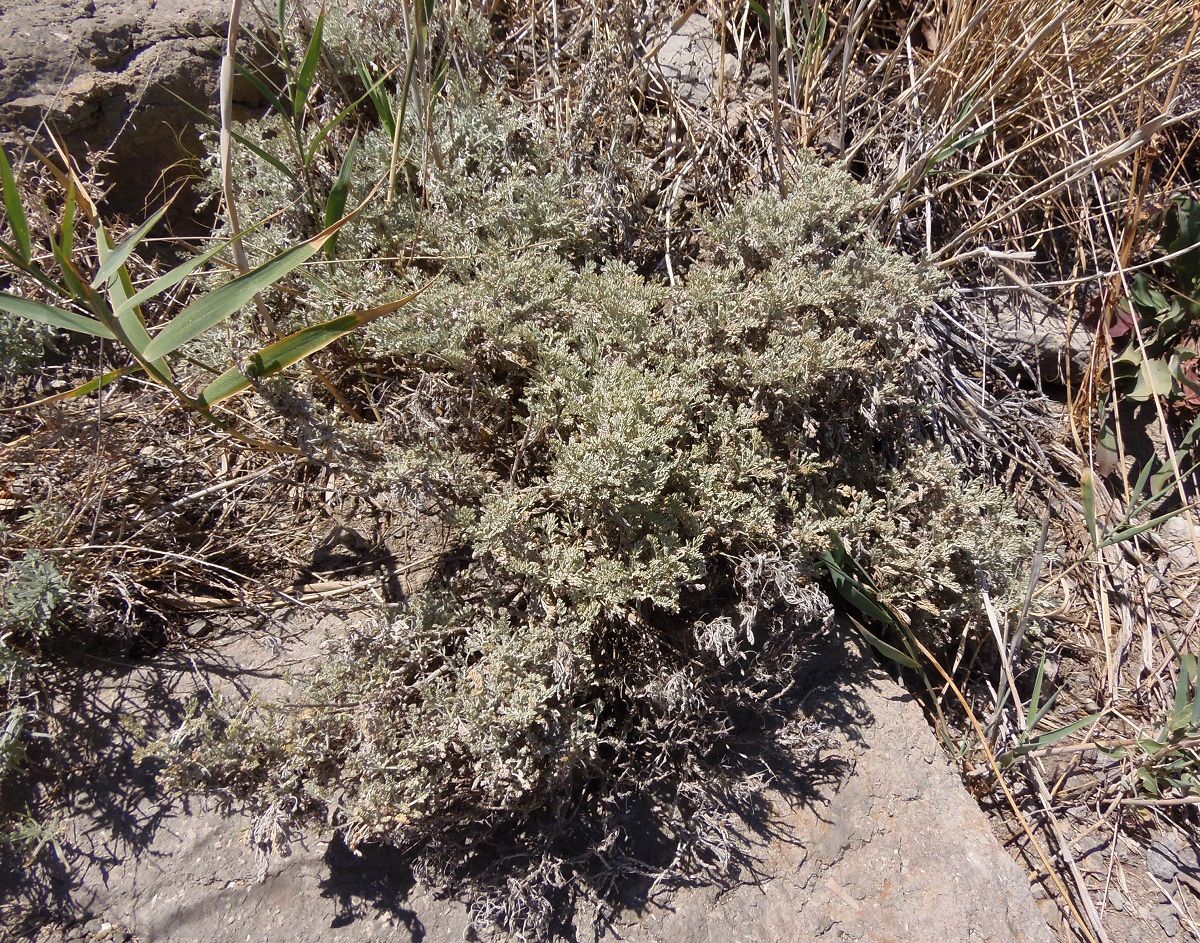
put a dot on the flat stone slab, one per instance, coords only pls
(888, 847)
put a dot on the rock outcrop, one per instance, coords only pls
(126, 76)
(879, 843)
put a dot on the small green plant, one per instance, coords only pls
(1167, 764)
(1160, 320)
(1030, 739)
(104, 304)
(33, 595)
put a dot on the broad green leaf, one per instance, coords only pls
(1088, 487)
(1147, 297)
(1154, 379)
(115, 258)
(213, 308)
(1195, 719)
(339, 193)
(1181, 233)
(56, 317)
(308, 68)
(888, 651)
(292, 349)
(15, 210)
(1173, 318)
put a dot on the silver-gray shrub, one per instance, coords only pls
(638, 480)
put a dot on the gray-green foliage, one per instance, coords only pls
(22, 348)
(639, 480)
(32, 595)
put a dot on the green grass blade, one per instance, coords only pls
(332, 124)
(1048, 739)
(211, 309)
(292, 349)
(339, 193)
(1195, 692)
(15, 209)
(56, 317)
(380, 99)
(241, 139)
(888, 651)
(1130, 532)
(1088, 486)
(1042, 712)
(214, 307)
(277, 357)
(31, 269)
(120, 290)
(66, 241)
(1143, 479)
(1036, 697)
(116, 258)
(1183, 690)
(308, 69)
(169, 280)
(263, 87)
(91, 386)
(854, 592)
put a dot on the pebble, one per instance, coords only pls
(1168, 855)
(1165, 915)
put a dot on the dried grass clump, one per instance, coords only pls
(639, 480)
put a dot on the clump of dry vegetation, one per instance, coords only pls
(653, 358)
(638, 481)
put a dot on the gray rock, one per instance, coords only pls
(1176, 535)
(1170, 856)
(119, 74)
(1037, 335)
(690, 63)
(883, 844)
(1167, 919)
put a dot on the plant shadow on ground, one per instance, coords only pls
(112, 807)
(106, 798)
(377, 879)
